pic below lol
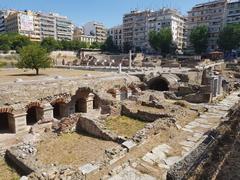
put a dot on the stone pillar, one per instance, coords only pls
(130, 59)
(120, 68)
(48, 112)
(89, 102)
(220, 79)
(129, 92)
(214, 85)
(19, 123)
(118, 95)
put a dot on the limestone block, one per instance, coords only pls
(88, 168)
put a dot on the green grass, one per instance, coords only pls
(124, 126)
(6, 173)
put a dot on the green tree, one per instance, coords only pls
(18, 41)
(34, 57)
(229, 37)
(50, 44)
(95, 45)
(161, 41)
(199, 39)
(5, 44)
(127, 46)
(109, 45)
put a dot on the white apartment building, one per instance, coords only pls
(212, 15)
(25, 23)
(169, 18)
(135, 29)
(233, 12)
(117, 35)
(96, 29)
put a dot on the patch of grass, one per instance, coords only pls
(72, 149)
(124, 126)
(6, 173)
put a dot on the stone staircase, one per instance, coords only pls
(196, 131)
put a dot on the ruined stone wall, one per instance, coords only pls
(19, 95)
(205, 161)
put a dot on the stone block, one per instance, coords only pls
(88, 168)
(129, 144)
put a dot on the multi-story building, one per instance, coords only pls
(210, 14)
(233, 12)
(47, 25)
(117, 35)
(3, 16)
(36, 25)
(25, 23)
(135, 28)
(138, 24)
(169, 18)
(64, 28)
(80, 36)
(96, 29)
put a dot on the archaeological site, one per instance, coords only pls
(139, 120)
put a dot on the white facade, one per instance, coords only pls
(233, 12)
(169, 18)
(117, 35)
(138, 24)
(95, 29)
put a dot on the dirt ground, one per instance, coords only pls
(72, 149)
(12, 74)
(124, 126)
(6, 173)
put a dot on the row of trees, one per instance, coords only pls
(228, 40)
(14, 41)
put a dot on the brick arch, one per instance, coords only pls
(34, 104)
(59, 100)
(6, 110)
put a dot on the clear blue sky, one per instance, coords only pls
(109, 12)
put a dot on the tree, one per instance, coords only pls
(127, 46)
(50, 44)
(19, 41)
(199, 39)
(109, 45)
(161, 41)
(229, 37)
(5, 44)
(34, 57)
(95, 45)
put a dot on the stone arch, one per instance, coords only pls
(59, 108)
(158, 84)
(115, 93)
(163, 82)
(7, 124)
(86, 100)
(34, 112)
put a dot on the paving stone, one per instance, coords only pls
(131, 174)
(205, 126)
(129, 144)
(189, 127)
(187, 143)
(194, 123)
(188, 130)
(163, 148)
(88, 168)
(172, 160)
(193, 138)
(164, 166)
